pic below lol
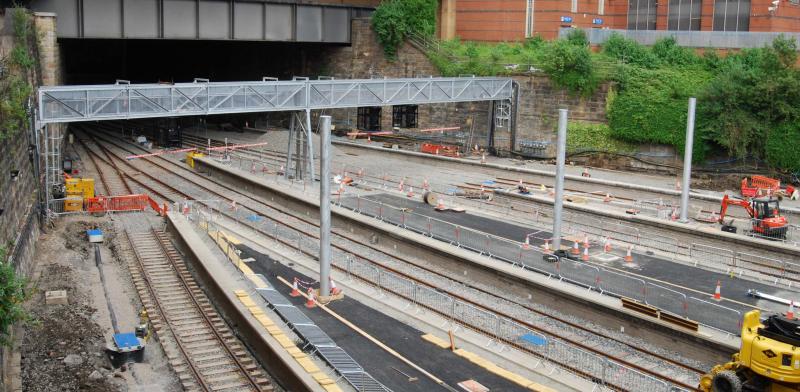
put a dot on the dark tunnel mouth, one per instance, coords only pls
(103, 61)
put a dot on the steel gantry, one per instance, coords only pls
(60, 104)
(121, 101)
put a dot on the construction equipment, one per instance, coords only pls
(764, 213)
(768, 361)
(76, 191)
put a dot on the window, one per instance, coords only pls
(731, 15)
(684, 15)
(574, 7)
(404, 116)
(601, 7)
(641, 14)
(369, 119)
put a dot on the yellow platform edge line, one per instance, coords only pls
(489, 365)
(291, 348)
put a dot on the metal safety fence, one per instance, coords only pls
(531, 256)
(552, 351)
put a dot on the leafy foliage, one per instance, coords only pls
(570, 66)
(583, 136)
(629, 51)
(394, 20)
(652, 107)
(747, 101)
(781, 148)
(15, 88)
(12, 295)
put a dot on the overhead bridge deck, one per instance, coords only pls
(60, 104)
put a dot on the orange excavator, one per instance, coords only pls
(764, 213)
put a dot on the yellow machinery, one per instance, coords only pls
(768, 361)
(76, 190)
(190, 156)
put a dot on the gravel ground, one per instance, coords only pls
(63, 348)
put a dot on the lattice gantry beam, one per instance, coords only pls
(58, 104)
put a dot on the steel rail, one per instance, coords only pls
(471, 302)
(162, 240)
(161, 309)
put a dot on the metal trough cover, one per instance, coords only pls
(273, 297)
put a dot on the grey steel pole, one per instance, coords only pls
(311, 145)
(687, 162)
(561, 157)
(292, 135)
(325, 206)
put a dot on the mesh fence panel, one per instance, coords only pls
(577, 272)
(622, 285)
(708, 313)
(666, 299)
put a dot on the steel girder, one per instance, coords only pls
(60, 104)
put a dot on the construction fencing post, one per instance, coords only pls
(558, 201)
(687, 162)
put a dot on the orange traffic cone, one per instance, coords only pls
(425, 184)
(369, 138)
(790, 313)
(629, 256)
(575, 249)
(440, 205)
(334, 290)
(717, 295)
(547, 246)
(586, 241)
(295, 291)
(607, 198)
(410, 192)
(310, 303)
(586, 172)
(527, 244)
(585, 256)
(607, 246)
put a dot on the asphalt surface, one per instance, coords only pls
(402, 338)
(645, 265)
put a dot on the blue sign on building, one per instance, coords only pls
(566, 19)
(597, 21)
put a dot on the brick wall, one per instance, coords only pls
(504, 20)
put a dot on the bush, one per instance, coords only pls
(653, 105)
(12, 296)
(781, 151)
(668, 51)
(629, 51)
(583, 136)
(393, 20)
(570, 67)
(577, 37)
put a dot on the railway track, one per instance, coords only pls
(643, 360)
(276, 158)
(201, 349)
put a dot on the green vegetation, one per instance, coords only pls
(583, 136)
(12, 295)
(394, 20)
(747, 101)
(15, 89)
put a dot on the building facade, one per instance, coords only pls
(511, 20)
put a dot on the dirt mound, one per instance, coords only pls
(63, 349)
